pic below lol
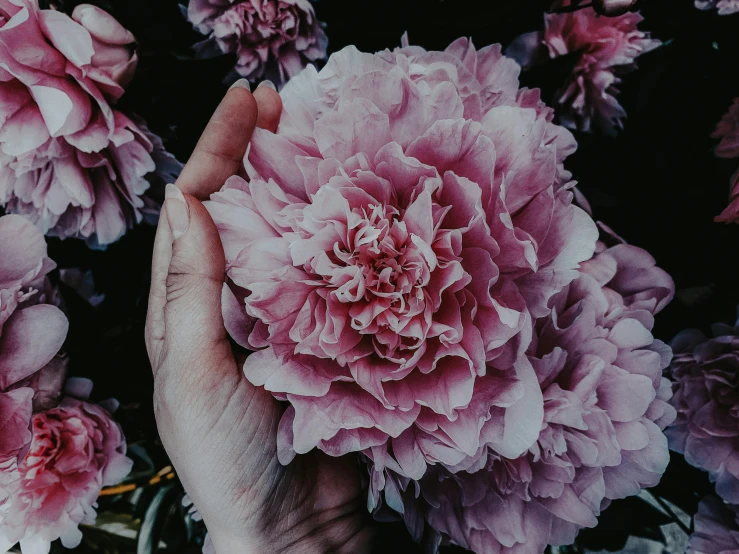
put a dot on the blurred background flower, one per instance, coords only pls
(601, 50)
(272, 39)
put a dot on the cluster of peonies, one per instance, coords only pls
(728, 131)
(31, 334)
(408, 265)
(725, 7)
(705, 373)
(69, 161)
(716, 528)
(603, 48)
(56, 451)
(272, 39)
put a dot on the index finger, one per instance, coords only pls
(220, 152)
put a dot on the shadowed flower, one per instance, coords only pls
(613, 8)
(31, 334)
(602, 48)
(69, 161)
(705, 373)
(75, 451)
(272, 39)
(728, 131)
(605, 405)
(400, 233)
(725, 7)
(716, 528)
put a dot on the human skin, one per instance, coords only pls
(218, 429)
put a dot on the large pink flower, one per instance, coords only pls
(68, 160)
(272, 39)
(31, 334)
(705, 372)
(716, 528)
(76, 450)
(399, 235)
(728, 131)
(605, 405)
(605, 48)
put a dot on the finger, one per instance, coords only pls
(220, 151)
(158, 291)
(269, 106)
(204, 174)
(194, 336)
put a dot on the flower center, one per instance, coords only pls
(381, 269)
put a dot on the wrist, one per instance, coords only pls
(227, 544)
(345, 539)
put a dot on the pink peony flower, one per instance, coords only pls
(400, 233)
(69, 161)
(725, 7)
(605, 406)
(272, 39)
(31, 334)
(716, 528)
(76, 450)
(705, 372)
(605, 48)
(728, 131)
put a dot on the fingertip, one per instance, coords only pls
(239, 103)
(220, 151)
(269, 108)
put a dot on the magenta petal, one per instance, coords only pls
(273, 157)
(524, 417)
(20, 354)
(237, 323)
(68, 36)
(626, 397)
(357, 127)
(299, 377)
(22, 250)
(15, 421)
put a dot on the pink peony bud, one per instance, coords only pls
(613, 8)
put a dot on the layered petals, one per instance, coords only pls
(419, 287)
(704, 375)
(605, 404)
(727, 131)
(605, 48)
(272, 39)
(69, 161)
(31, 334)
(76, 449)
(716, 528)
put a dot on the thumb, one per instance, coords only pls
(192, 325)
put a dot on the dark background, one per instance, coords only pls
(657, 184)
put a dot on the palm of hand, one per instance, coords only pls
(218, 429)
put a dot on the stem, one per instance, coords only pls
(671, 513)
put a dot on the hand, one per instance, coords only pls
(219, 430)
